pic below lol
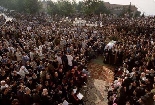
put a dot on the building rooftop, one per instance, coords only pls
(112, 6)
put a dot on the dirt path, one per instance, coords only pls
(101, 75)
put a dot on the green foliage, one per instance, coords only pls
(52, 8)
(137, 14)
(80, 7)
(61, 7)
(31, 6)
(28, 6)
(65, 8)
(101, 8)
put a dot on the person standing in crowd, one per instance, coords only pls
(42, 61)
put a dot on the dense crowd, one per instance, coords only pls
(134, 57)
(43, 59)
(2, 19)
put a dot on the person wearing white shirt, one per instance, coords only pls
(18, 55)
(23, 71)
(70, 59)
(31, 55)
(10, 48)
(41, 55)
(58, 56)
(3, 85)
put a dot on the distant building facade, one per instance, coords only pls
(118, 9)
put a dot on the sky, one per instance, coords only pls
(145, 6)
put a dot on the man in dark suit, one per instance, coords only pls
(27, 97)
(153, 100)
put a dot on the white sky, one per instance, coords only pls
(145, 6)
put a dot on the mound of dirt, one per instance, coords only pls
(101, 72)
(101, 76)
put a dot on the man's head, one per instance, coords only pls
(27, 90)
(45, 92)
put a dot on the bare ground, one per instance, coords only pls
(101, 76)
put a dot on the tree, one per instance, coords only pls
(52, 8)
(101, 8)
(137, 14)
(3, 3)
(80, 7)
(62, 7)
(29, 6)
(95, 7)
(90, 6)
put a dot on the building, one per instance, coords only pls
(119, 9)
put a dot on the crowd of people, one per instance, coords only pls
(134, 58)
(44, 59)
